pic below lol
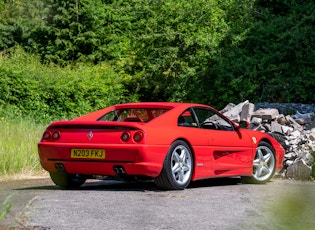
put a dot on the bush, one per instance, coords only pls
(49, 92)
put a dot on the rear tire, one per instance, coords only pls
(67, 181)
(264, 164)
(177, 167)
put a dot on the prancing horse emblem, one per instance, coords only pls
(90, 135)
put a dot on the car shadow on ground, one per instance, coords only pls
(148, 185)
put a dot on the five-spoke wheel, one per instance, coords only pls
(264, 164)
(177, 168)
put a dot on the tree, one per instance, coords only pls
(18, 19)
(275, 62)
(81, 30)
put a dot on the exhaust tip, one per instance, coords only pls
(119, 170)
(60, 167)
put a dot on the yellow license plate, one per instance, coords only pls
(88, 153)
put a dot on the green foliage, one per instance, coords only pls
(51, 92)
(18, 20)
(81, 30)
(275, 62)
(212, 52)
(175, 44)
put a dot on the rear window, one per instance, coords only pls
(133, 114)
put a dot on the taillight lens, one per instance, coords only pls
(46, 135)
(138, 136)
(125, 136)
(56, 135)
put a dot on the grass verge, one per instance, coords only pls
(18, 147)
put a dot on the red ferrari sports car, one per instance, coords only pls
(171, 143)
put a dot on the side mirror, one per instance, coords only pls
(244, 124)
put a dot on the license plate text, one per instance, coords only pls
(88, 153)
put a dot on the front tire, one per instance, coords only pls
(67, 181)
(264, 164)
(177, 168)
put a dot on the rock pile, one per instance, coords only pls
(295, 132)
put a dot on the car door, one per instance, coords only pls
(229, 151)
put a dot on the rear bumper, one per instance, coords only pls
(104, 168)
(135, 159)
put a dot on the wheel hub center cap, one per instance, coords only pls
(180, 164)
(261, 163)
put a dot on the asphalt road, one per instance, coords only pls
(209, 204)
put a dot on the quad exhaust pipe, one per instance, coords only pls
(118, 170)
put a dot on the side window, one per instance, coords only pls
(209, 119)
(187, 119)
(111, 116)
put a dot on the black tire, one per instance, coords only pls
(281, 139)
(264, 164)
(177, 167)
(67, 181)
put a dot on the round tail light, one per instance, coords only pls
(56, 135)
(125, 136)
(138, 136)
(46, 135)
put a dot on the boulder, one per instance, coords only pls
(233, 112)
(266, 114)
(299, 170)
(276, 127)
(256, 121)
(247, 111)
